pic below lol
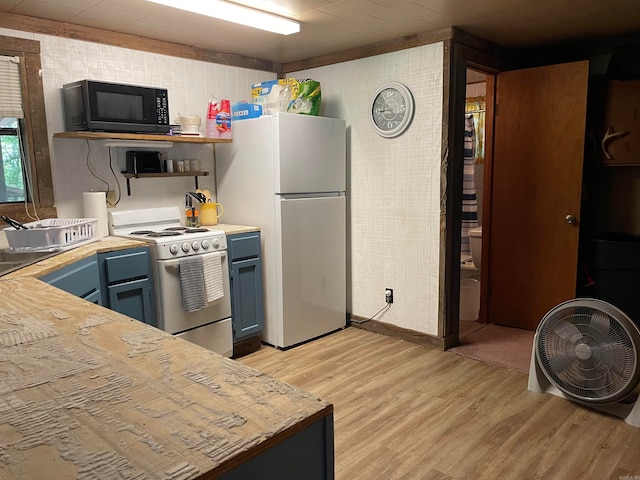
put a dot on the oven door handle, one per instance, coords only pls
(173, 264)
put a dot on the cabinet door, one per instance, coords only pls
(133, 299)
(246, 298)
(80, 279)
(127, 284)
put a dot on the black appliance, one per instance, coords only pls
(115, 107)
(143, 162)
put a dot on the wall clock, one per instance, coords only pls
(392, 109)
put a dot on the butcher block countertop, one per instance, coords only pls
(233, 229)
(48, 265)
(87, 393)
(106, 244)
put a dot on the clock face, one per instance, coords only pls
(391, 109)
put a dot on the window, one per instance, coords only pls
(26, 185)
(12, 179)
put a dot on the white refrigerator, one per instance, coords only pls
(287, 175)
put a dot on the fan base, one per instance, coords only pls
(539, 383)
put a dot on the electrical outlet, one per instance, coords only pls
(112, 198)
(388, 295)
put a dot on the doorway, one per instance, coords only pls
(479, 338)
(532, 179)
(472, 200)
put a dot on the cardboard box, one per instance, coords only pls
(243, 111)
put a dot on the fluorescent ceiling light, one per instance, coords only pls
(235, 13)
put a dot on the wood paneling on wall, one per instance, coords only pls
(134, 42)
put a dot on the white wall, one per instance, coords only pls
(189, 82)
(394, 184)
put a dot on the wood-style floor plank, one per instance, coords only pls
(409, 412)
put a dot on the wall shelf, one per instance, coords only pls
(193, 173)
(139, 137)
(111, 139)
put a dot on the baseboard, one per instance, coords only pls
(397, 332)
(245, 347)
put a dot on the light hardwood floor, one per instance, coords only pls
(406, 411)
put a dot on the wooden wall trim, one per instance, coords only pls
(22, 45)
(134, 42)
(491, 50)
(397, 332)
(380, 48)
(39, 136)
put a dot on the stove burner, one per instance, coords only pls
(196, 230)
(141, 232)
(175, 229)
(164, 234)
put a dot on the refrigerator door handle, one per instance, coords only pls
(310, 195)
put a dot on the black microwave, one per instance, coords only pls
(115, 107)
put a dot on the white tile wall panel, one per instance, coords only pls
(394, 195)
(190, 83)
(394, 191)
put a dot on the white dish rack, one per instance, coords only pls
(51, 234)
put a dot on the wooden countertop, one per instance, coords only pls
(48, 265)
(106, 244)
(87, 393)
(232, 229)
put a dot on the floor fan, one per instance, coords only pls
(588, 351)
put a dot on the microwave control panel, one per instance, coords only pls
(162, 107)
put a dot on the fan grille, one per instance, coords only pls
(588, 353)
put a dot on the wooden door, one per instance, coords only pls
(537, 178)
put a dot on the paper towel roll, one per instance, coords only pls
(95, 206)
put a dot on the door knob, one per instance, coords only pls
(571, 219)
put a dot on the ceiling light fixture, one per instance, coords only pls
(232, 12)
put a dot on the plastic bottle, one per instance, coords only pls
(223, 119)
(212, 112)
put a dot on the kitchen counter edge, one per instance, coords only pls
(101, 245)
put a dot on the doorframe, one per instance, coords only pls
(466, 51)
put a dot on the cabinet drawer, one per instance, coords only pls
(244, 245)
(127, 266)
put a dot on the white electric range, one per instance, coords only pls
(169, 242)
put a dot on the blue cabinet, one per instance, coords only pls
(120, 280)
(80, 279)
(126, 283)
(245, 273)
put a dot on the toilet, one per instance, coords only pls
(470, 277)
(475, 243)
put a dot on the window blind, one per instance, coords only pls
(10, 88)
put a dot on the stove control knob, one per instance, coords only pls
(215, 243)
(196, 246)
(185, 247)
(205, 244)
(173, 248)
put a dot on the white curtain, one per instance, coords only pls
(10, 88)
(469, 200)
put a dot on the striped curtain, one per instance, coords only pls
(469, 200)
(476, 106)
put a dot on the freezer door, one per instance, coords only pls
(311, 152)
(312, 248)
